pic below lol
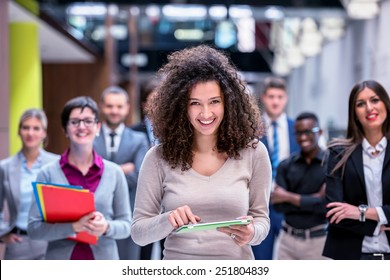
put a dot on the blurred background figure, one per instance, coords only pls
(123, 146)
(358, 179)
(16, 175)
(147, 91)
(300, 195)
(280, 142)
(80, 165)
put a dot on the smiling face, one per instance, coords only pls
(370, 110)
(82, 132)
(115, 109)
(307, 134)
(32, 133)
(206, 108)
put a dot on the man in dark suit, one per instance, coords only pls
(123, 146)
(280, 143)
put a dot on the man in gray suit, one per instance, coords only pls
(123, 146)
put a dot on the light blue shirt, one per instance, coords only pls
(27, 175)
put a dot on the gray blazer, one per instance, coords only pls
(132, 148)
(111, 199)
(10, 187)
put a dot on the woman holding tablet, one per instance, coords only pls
(209, 165)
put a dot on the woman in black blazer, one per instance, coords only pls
(358, 179)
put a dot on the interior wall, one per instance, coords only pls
(4, 80)
(61, 82)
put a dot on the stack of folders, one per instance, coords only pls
(65, 204)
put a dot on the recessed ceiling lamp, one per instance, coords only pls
(184, 12)
(87, 9)
(240, 11)
(274, 13)
(189, 34)
(218, 12)
(361, 9)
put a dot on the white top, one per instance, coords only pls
(373, 166)
(117, 139)
(239, 188)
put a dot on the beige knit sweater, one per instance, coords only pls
(239, 188)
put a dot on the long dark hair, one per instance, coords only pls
(355, 132)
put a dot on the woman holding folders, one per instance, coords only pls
(358, 179)
(16, 174)
(209, 165)
(80, 165)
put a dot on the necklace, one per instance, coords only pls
(375, 153)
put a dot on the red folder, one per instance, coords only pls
(62, 204)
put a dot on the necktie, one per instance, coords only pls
(275, 150)
(112, 145)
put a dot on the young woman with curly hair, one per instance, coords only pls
(209, 165)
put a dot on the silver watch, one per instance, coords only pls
(363, 209)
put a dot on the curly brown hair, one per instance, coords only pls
(241, 126)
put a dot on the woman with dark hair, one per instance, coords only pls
(358, 179)
(16, 174)
(80, 165)
(209, 165)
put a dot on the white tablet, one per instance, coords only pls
(209, 226)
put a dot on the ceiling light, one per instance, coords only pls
(218, 12)
(274, 13)
(184, 12)
(241, 11)
(332, 28)
(140, 59)
(188, 34)
(87, 10)
(152, 11)
(361, 9)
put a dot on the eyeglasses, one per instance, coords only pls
(87, 122)
(308, 132)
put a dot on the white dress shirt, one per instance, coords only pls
(117, 139)
(283, 135)
(373, 166)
